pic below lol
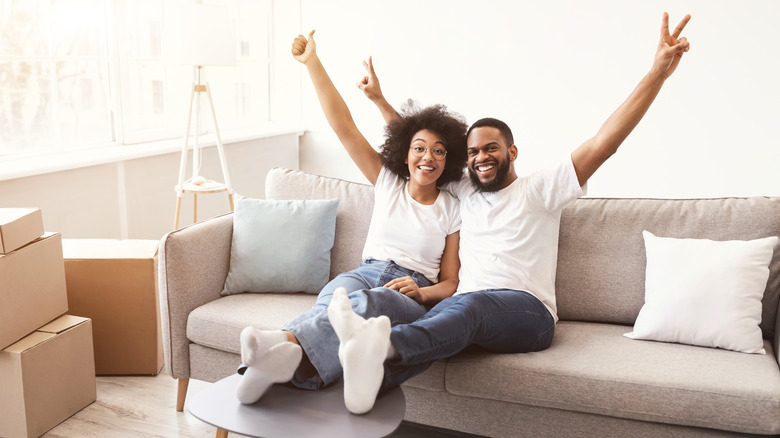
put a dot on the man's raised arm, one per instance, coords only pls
(594, 152)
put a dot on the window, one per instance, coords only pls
(76, 74)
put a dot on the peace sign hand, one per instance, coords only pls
(671, 47)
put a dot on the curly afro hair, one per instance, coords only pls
(448, 125)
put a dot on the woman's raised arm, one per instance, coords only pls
(336, 112)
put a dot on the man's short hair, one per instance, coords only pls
(502, 127)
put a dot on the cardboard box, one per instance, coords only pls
(114, 282)
(32, 288)
(46, 377)
(18, 227)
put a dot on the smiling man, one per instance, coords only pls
(509, 248)
(505, 301)
(490, 160)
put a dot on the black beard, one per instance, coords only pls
(495, 184)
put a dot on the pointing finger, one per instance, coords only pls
(371, 66)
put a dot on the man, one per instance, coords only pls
(505, 301)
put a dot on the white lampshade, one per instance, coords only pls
(199, 35)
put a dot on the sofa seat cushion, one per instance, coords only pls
(593, 368)
(218, 324)
(432, 379)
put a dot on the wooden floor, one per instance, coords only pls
(145, 406)
(135, 406)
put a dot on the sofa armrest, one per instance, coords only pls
(193, 265)
(776, 339)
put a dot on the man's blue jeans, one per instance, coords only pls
(497, 320)
(368, 298)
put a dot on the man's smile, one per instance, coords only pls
(484, 167)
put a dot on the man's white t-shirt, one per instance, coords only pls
(406, 232)
(509, 238)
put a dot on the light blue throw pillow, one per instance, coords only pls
(281, 246)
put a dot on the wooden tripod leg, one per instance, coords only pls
(182, 394)
(195, 208)
(178, 209)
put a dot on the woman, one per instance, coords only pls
(411, 251)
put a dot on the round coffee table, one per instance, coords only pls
(285, 411)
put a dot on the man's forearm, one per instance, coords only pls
(594, 152)
(627, 116)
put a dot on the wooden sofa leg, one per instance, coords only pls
(183, 384)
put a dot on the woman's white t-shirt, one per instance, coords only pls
(406, 232)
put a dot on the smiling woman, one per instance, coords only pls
(434, 119)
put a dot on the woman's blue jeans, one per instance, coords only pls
(369, 299)
(497, 320)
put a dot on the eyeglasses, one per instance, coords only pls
(437, 152)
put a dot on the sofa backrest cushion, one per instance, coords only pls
(601, 258)
(356, 202)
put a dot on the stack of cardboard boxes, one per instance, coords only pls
(47, 366)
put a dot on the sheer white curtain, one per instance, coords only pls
(87, 73)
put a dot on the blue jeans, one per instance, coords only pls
(368, 298)
(497, 320)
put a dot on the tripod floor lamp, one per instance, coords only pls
(200, 36)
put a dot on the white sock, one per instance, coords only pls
(267, 362)
(255, 342)
(364, 345)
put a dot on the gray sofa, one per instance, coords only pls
(592, 381)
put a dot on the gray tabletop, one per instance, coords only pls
(285, 411)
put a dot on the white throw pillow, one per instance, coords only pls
(704, 292)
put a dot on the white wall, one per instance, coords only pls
(555, 70)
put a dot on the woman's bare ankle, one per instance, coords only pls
(291, 337)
